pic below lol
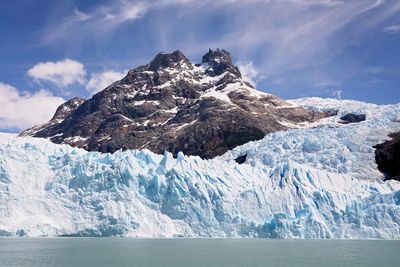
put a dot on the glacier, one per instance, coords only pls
(317, 181)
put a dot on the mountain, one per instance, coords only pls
(319, 180)
(173, 105)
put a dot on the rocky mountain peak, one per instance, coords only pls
(164, 60)
(220, 61)
(219, 56)
(173, 105)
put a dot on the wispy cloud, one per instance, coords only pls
(392, 29)
(60, 73)
(283, 35)
(337, 94)
(97, 22)
(104, 18)
(20, 111)
(249, 72)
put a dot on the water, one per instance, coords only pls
(196, 252)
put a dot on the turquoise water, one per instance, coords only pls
(196, 252)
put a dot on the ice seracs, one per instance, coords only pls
(302, 183)
(328, 144)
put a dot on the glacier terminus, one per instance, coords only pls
(317, 180)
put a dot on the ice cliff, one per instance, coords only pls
(318, 181)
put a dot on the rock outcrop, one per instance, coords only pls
(352, 118)
(387, 156)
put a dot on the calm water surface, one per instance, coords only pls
(196, 252)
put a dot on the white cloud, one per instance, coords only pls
(249, 72)
(100, 80)
(68, 72)
(61, 73)
(19, 112)
(337, 94)
(392, 29)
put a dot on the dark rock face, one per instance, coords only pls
(171, 104)
(352, 118)
(163, 60)
(241, 159)
(387, 156)
(220, 61)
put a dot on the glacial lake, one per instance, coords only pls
(45, 252)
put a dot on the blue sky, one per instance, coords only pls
(54, 50)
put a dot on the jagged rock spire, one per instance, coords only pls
(217, 57)
(220, 61)
(165, 60)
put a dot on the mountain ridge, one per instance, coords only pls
(171, 104)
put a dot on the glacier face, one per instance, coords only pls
(328, 144)
(303, 183)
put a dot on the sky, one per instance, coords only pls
(52, 50)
